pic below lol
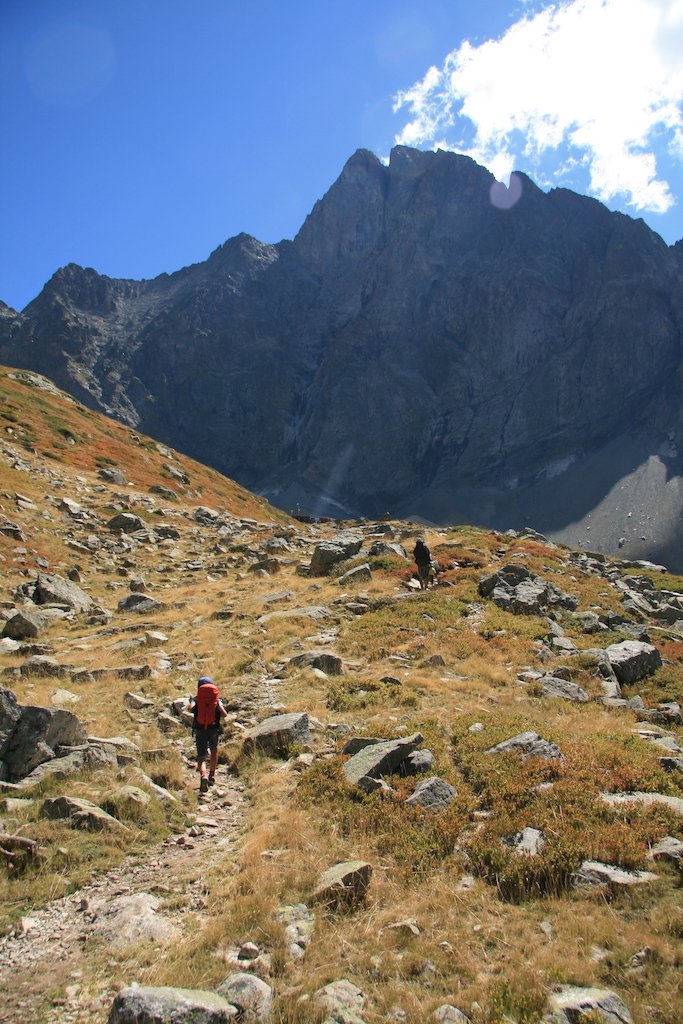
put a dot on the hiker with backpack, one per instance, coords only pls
(423, 560)
(207, 711)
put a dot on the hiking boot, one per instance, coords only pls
(212, 780)
(204, 785)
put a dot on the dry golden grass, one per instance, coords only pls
(492, 944)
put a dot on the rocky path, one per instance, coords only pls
(47, 952)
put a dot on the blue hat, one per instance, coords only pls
(204, 679)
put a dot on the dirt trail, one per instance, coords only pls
(50, 954)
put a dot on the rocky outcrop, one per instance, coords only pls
(377, 759)
(499, 358)
(278, 734)
(343, 885)
(528, 744)
(517, 590)
(31, 735)
(569, 1003)
(163, 1005)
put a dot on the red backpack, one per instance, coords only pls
(206, 711)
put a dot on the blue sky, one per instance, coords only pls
(140, 134)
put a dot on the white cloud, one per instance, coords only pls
(595, 82)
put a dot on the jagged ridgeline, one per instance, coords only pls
(416, 349)
(459, 804)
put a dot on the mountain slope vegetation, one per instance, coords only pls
(541, 868)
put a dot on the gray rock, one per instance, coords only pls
(619, 800)
(420, 762)
(252, 996)
(434, 794)
(517, 590)
(314, 612)
(342, 1001)
(357, 743)
(449, 1014)
(83, 813)
(136, 701)
(528, 744)
(568, 1004)
(299, 923)
(126, 522)
(633, 660)
(113, 475)
(555, 687)
(10, 713)
(41, 666)
(360, 574)
(589, 622)
(328, 553)
(381, 547)
(276, 735)
(132, 917)
(49, 589)
(593, 872)
(36, 736)
(328, 663)
(527, 843)
(369, 785)
(27, 624)
(170, 1006)
(343, 885)
(88, 756)
(668, 848)
(380, 759)
(141, 603)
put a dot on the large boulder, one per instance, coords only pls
(553, 686)
(82, 813)
(633, 660)
(569, 1003)
(29, 623)
(329, 552)
(141, 603)
(132, 917)
(36, 737)
(170, 1006)
(276, 735)
(10, 713)
(329, 663)
(380, 759)
(55, 590)
(126, 522)
(434, 793)
(517, 590)
(91, 756)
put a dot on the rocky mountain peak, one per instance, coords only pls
(431, 342)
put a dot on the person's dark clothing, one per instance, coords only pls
(421, 553)
(206, 740)
(423, 560)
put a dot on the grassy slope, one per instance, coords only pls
(494, 931)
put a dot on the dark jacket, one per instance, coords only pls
(421, 553)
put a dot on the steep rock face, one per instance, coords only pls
(415, 348)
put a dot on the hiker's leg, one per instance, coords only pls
(202, 750)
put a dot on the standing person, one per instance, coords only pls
(423, 560)
(208, 712)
